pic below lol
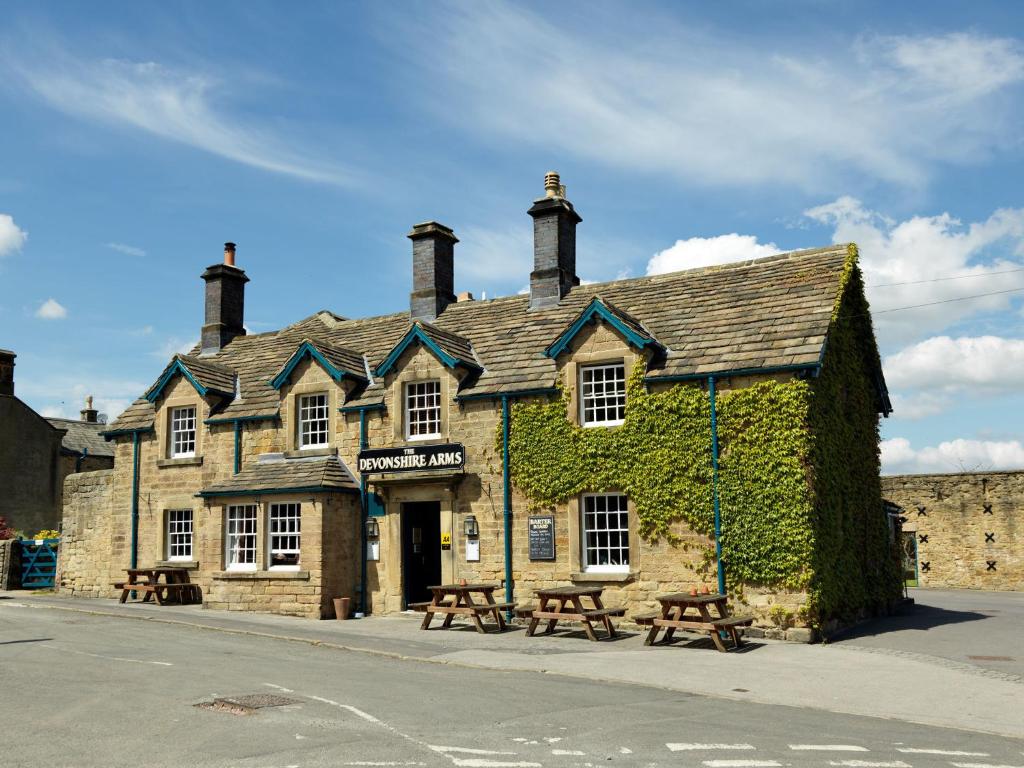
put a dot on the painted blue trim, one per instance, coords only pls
(513, 393)
(238, 446)
(362, 408)
(81, 457)
(135, 504)
(724, 374)
(507, 505)
(363, 509)
(714, 486)
(595, 309)
(179, 367)
(276, 491)
(307, 348)
(416, 333)
(108, 436)
(233, 419)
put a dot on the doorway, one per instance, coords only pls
(421, 548)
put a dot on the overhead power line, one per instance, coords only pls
(947, 301)
(943, 279)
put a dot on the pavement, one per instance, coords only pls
(89, 684)
(914, 669)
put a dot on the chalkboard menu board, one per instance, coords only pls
(542, 537)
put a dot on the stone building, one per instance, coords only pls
(961, 530)
(36, 454)
(287, 468)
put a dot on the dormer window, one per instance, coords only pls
(603, 395)
(423, 410)
(183, 432)
(313, 421)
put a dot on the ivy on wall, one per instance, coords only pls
(798, 471)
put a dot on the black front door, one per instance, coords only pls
(421, 548)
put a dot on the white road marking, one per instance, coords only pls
(869, 764)
(466, 750)
(827, 748)
(625, 751)
(279, 687)
(380, 762)
(349, 708)
(690, 747)
(984, 765)
(574, 752)
(742, 764)
(553, 739)
(477, 762)
(108, 658)
(951, 752)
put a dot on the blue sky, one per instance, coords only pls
(138, 137)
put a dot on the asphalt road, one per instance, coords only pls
(968, 626)
(84, 690)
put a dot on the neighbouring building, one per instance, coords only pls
(961, 530)
(571, 434)
(36, 454)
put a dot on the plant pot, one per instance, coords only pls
(341, 607)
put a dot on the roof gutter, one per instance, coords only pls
(276, 491)
(236, 419)
(122, 432)
(362, 408)
(513, 393)
(814, 368)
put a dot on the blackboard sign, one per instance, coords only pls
(413, 459)
(542, 537)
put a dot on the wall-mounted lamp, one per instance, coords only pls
(471, 528)
(372, 529)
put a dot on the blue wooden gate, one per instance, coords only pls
(38, 563)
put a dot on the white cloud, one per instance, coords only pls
(51, 309)
(991, 363)
(174, 346)
(706, 251)
(64, 395)
(900, 457)
(924, 248)
(493, 256)
(707, 106)
(184, 107)
(127, 250)
(916, 405)
(12, 237)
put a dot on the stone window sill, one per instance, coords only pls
(260, 575)
(611, 578)
(308, 452)
(191, 461)
(190, 565)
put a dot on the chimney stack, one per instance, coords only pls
(554, 245)
(433, 270)
(7, 372)
(89, 413)
(225, 303)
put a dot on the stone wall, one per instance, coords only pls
(29, 472)
(83, 560)
(969, 527)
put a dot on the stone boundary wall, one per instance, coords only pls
(969, 527)
(83, 561)
(10, 565)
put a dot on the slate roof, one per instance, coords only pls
(314, 474)
(750, 315)
(210, 374)
(82, 436)
(343, 359)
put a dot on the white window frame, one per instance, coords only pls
(589, 505)
(322, 413)
(234, 530)
(599, 402)
(180, 534)
(292, 513)
(422, 390)
(182, 423)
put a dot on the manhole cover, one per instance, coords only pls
(991, 658)
(246, 705)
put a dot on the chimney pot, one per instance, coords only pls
(88, 413)
(554, 245)
(7, 372)
(225, 303)
(465, 296)
(229, 254)
(433, 270)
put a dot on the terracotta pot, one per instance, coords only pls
(704, 590)
(341, 607)
(693, 591)
(462, 582)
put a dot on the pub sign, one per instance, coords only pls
(415, 458)
(542, 537)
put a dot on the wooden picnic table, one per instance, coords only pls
(692, 613)
(164, 584)
(457, 600)
(571, 608)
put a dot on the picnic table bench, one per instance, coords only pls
(175, 586)
(571, 608)
(691, 613)
(457, 600)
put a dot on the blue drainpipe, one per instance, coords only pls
(364, 512)
(714, 486)
(81, 457)
(135, 503)
(509, 585)
(238, 446)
